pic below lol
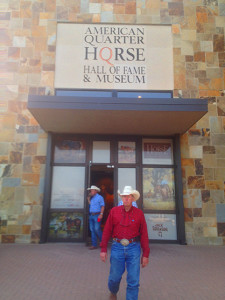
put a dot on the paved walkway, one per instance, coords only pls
(73, 272)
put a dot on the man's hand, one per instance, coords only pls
(100, 216)
(144, 261)
(103, 256)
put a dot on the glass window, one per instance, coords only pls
(161, 226)
(126, 152)
(120, 94)
(140, 94)
(65, 225)
(101, 152)
(157, 151)
(84, 93)
(69, 150)
(158, 189)
(68, 187)
(126, 176)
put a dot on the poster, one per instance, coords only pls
(158, 189)
(126, 152)
(69, 151)
(157, 152)
(161, 226)
(65, 225)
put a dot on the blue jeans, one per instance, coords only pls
(122, 256)
(95, 228)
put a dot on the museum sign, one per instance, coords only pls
(108, 56)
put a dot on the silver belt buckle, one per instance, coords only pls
(124, 242)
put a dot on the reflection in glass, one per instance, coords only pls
(68, 187)
(126, 152)
(157, 152)
(126, 176)
(83, 93)
(161, 226)
(101, 152)
(69, 151)
(65, 225)
(144, 94)
(158, 189)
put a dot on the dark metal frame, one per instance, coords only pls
(47, 192)
(114, 160)
(115, 92)
(179, 192)
(114, 103)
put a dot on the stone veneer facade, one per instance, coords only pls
(28, 37)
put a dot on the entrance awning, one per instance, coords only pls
(92, 115)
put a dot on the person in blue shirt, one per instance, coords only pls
(133, 203)
(96, 210)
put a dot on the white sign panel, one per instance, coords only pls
(161, 226)
(107, 56)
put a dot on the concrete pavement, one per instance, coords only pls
(73, 272)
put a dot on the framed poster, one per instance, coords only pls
(158, 152)
(126, 152)
(65, 225)
(69, 151)
(68, 187)
(161, 226)
(158, 189)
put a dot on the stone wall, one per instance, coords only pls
(28, 36)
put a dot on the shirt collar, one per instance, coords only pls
(129, 211)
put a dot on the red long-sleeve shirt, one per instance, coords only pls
(121, 224)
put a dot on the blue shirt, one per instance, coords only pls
(133, 203)
(97, 201)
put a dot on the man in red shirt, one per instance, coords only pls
(127, 226)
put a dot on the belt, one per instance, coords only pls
(126, 242)
(94, 214)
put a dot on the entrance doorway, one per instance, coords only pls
(148, 165)
(102, 176)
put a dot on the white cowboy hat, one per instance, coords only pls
(94, 187)
(128, 190)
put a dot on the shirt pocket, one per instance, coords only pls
(116, 220)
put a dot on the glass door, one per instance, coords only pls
(66, 214)
(127, 164)
(101, 174)
(103, 177)
(159, 203)
(77, 162)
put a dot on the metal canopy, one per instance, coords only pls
(92, 115)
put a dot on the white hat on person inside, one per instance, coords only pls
(94, 187)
